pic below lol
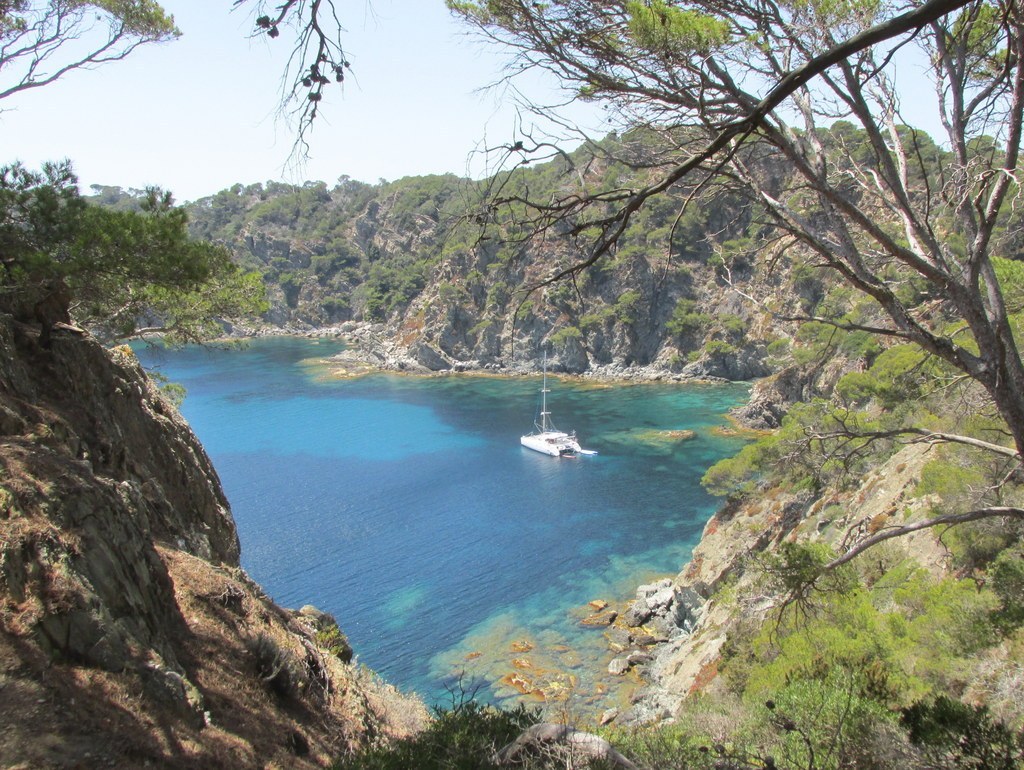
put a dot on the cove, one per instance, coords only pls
(453, 558)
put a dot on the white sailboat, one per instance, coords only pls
(547, 438)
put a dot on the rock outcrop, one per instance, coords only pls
(693, 619)
(129, 635)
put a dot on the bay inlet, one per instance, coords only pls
(452, 557)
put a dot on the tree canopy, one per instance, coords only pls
(43, 40)
(121, 272)
(727, 87)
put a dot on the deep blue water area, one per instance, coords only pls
(406, 507)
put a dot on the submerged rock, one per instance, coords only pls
(605, 618)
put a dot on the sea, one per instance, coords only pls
(458, 563)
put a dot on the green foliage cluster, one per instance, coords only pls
(174, 392)
(686, 319)
(333, 640)
(731, 325)
(370, 250)
(820, 341)
(900, 374)
(742, 473)
(660, 27)
(908, 636)
(844, 660)
(627, 306)
(834, 439)
(718, 348)
(1007, 579)
(464, 737)
(564, 335)
(597, 319)
(376, 246)
(119, 268)
(966, 736)
(355, 273)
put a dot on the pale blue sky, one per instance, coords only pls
(199, 114)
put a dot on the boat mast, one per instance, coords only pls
(544, 413)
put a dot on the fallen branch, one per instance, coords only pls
(948, 520)
(546, 736)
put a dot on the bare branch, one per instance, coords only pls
(317, 57)
(576, 743)
(945, 520)
(44, 41)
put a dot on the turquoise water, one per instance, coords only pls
(406, 507)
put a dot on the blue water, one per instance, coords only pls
(406, 507)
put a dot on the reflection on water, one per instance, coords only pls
(407, 508)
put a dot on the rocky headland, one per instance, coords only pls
(129, 635)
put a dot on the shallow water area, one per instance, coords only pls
(450, 555)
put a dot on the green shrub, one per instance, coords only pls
(719, 348)
(953, 734)
(732, 325)
(597, 319)
(174, 392)
(1007, 579)
(335, 307)
(828, 723)
(977, 544)
(565, 334)
(450, 294)
(686, 320)
(462, 738)
(626, 306)
(335, 642)
(498, 295)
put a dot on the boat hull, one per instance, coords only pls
(555, 444)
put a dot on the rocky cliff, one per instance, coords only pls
(412, 258)
(129, 635)
(700, 617)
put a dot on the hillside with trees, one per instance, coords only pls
(412, 258)
(876, 444)
(767, 210)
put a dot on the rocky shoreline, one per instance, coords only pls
(641, 637)
(373, 348)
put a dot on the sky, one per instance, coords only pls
(199, 114)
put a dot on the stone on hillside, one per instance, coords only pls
(661, 600)
(618, 638)
(688, 607)
(663, 627)
(618, 666)
(638, 658)
(649, 589)
(637, 614)
(428, 356)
